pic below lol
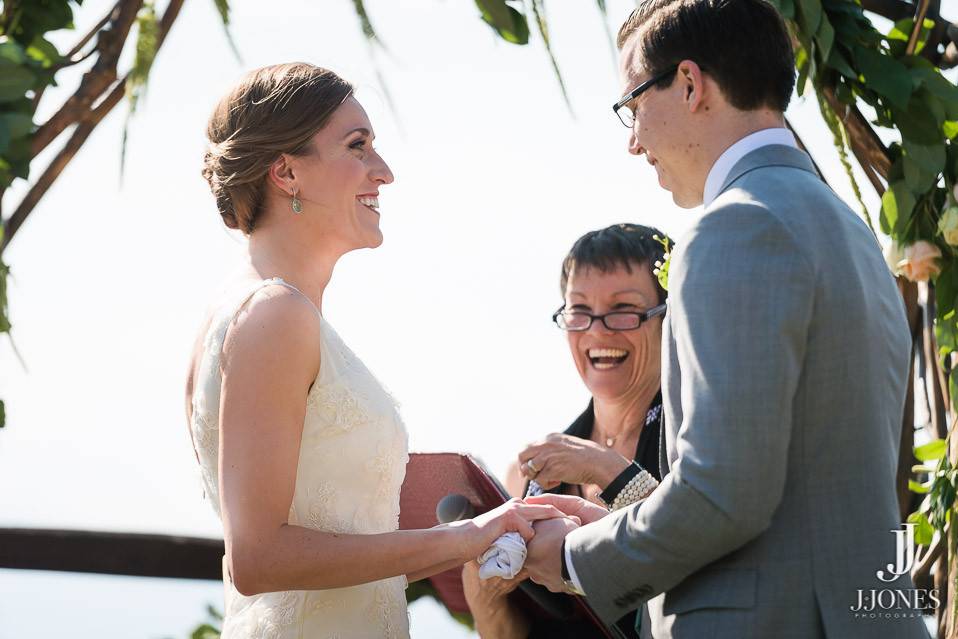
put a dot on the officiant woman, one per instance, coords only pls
(612, 316)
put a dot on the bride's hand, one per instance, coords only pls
(478, 533)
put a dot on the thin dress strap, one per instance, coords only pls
(282, 282)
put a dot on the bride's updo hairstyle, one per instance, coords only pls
(273, 110)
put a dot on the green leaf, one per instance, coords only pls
(919, 124)
(946, 297)
(896, 205)
(931, 157)
(950, 129)
(915, 487)
(15, 81)
(901, 32)
(19, 124)
(838, 61)
(825, 37)
(885, 75)
(12, 52)
(785, 7)
(538, 11)
(809, 15)
(931, 451)
(917, 179)
(223, 8)
(939, 86)
(4, 307)
(43, 51)
(924, 531)
(4, 136)
(505, 20)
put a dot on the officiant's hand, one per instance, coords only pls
(491, 609)
(573, 506)
(564, 458)
(544, 562)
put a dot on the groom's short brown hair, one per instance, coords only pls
(742, 44)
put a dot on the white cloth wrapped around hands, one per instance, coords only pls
(504, 558)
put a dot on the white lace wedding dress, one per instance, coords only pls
(351, 466)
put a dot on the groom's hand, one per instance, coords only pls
(544, 561)
(571, 505)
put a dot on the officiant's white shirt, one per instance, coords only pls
(716, 178)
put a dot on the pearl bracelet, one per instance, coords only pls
(638, 488)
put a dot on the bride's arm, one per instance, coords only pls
(270, 358)
(434, 569)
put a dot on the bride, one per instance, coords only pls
(302, 451)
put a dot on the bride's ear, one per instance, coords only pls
(282, 176)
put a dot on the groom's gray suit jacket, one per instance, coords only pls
(785, 359)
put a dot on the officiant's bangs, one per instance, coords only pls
(625, 246)
(743, 44)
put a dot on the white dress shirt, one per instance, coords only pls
(716, 177)
(720, 170)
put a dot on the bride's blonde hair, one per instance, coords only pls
(273, 110)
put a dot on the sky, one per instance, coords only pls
(495, 179)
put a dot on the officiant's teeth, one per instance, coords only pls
(606, 358)
(371, 202)
(607, 352)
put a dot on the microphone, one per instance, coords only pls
(454, 507)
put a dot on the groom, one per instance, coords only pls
(785, 362)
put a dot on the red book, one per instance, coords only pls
(432, 476)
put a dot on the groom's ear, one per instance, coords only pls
(692, 80)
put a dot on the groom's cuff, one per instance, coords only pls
(568, 571)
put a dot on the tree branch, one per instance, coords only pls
(97, 80)
(868, 148)
(59, 162)
(909, 294)
(92, 32)
(83, 130)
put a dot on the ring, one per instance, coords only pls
(532, 467)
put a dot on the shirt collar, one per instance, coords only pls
(728, 159)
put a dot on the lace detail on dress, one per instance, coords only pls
(340, 407)
(282, 615)
(352, 462)
(385, 599)
(319, 515)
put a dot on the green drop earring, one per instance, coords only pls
(296, 204)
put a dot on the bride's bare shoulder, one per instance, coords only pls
(273, 319)
(276, 323)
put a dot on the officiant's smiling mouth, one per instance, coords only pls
(370, 201)
(603, 359)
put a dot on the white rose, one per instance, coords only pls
(948, 225)
(921, 261)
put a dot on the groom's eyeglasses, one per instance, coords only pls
(615, 321)
(621, 108)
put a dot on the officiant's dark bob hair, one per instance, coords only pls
(742, 44)
(620, 245)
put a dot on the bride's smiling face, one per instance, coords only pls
(339, 180)
(615, 364)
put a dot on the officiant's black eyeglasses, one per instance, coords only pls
(621, 108)
(615, 321)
